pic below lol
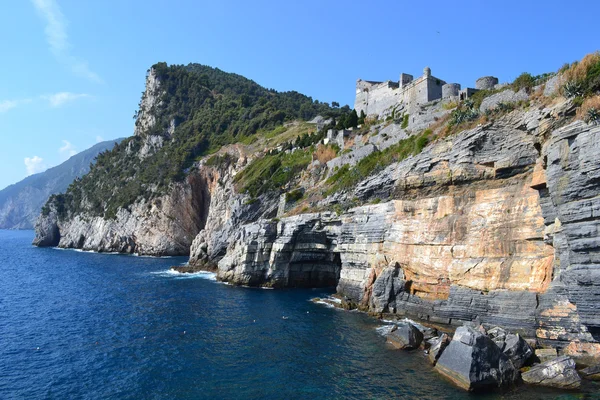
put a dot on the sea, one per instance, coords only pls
(80, 325)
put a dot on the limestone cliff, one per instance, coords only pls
(497, 224)
(496, 221)
(166, 225)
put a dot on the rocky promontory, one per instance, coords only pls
(448, 212)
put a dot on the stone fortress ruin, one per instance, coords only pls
(381, 98)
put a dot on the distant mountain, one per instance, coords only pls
(20, 204)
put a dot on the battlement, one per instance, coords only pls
(374, 98)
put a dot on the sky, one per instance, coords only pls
(72, 72)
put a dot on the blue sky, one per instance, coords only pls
(72, 71)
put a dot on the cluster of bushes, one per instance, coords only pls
(272, 172)
(465, 112)
(582, 79)
(582, 82)
(527, 81)
(347, 176)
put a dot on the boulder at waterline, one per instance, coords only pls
(559, 373)
(405, 336)
(473, 361)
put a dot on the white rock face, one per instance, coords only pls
(146, 118)
(164, 226)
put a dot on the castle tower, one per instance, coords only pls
(427, 72)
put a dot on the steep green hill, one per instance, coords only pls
(208, 108)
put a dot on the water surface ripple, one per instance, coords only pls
(77, 325)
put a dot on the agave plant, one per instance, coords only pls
(593, 116)
(572, 89)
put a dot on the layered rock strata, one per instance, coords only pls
(498, 224)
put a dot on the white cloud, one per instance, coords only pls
(67, 150)
(99, 139)
(7, 105)
(34, 165)
(58, 99)
(58, 39)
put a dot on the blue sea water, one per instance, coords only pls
(77, 325)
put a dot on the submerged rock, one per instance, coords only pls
(473, 361)
(559, 373)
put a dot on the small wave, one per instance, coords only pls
(330, 301)
(384, 330)
(87, 251)
(211, 276)
(148, 256)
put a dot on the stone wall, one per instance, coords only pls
(376, 97)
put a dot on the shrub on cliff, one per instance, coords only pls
(347, 177)
(582, 78)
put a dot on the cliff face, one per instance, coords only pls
(498, 224)
(166, 225)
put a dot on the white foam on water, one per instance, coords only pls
(211, 276)
(325, 303)
(384, 330)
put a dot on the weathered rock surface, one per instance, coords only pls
(47, 231)
(405, 336)
(473, 361)
(294, 252)
(516, 349)
(559, 373)
(569, 197)
(165, 226)
(591, 373)
(226, 211)
(506, 96)
(436, 346)
(544, 355)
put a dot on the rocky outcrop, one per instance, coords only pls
(495, 225)
(294, 252)
(164, 226)
(569, 196)
(473, 361)
(559, 373)
(405, 336)
(506, 96)
(226, 209)
(592, 373)
(47, 231)
(437, 345)
(513, 346)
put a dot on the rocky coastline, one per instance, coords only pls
(493, 231)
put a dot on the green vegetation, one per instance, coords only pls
(348, 119)
(294, 195)
(210, 108)
(466, 112)
(582, 79)
(272, 172)
(593, 116)
(404, 121)
(347, 176)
